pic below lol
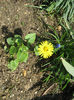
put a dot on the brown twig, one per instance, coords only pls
(51, 87)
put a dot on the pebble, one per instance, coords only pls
(8, 18)
(6, 80)
(4, 97)
(6, 91)
(12, 95)
(36, 92)
(45, 19)
(30, 80)
(21, 91)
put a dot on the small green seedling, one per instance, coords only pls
(17, 50)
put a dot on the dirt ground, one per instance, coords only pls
(15, 17)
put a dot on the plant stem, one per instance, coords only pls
(67, 24)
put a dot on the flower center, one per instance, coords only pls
(45, 48)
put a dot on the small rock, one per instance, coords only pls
(4, 97)
(21, 91)
(36, 92)
(12, 95)
(6, 91)
(30, 80)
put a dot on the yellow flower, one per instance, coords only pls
(45, 49)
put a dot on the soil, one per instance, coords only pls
(25, 83)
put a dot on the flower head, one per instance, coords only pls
(58, 45)
(45, 49)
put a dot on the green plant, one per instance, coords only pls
(18, 50)
(58, 73)
(64, 9)
(65, 12)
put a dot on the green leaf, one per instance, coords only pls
(5, 48)
(15, 36)
(57, 39)
(50, 8)
(13, 65)
(10, 41)
(58, 3)
(23, 48)
(18, 39)
(12, 50)
(31, 38)
(68, 67)
(36, 50)
(22, 23)
(22, 56)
